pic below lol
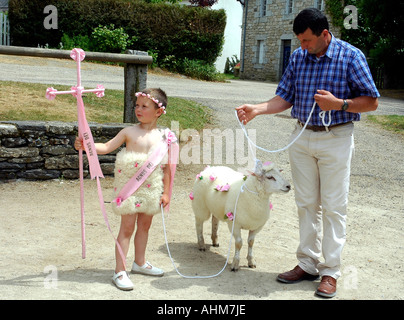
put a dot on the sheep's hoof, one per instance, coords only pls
(202, 249)
(215, 245)
(235, 267)
(251, 262)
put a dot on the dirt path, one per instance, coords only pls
(40, 222)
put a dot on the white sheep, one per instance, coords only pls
(216, 190)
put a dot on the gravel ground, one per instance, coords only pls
(372, 258)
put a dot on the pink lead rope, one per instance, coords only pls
(86, 136)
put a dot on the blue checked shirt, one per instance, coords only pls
(342, 70)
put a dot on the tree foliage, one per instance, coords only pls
(158, 1)
(379, 34)
(203, 3)
(161, 28)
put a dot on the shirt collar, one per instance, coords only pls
(330, 53)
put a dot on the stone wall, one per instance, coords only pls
(35, 150)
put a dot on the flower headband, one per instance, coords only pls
(159, 104)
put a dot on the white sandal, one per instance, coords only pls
(124, 283)
(147, 269)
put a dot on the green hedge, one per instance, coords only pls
(165, 29)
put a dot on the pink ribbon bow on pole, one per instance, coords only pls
(86, 136)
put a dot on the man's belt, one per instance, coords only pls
(322, 128)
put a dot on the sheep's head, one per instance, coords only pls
(270, 177)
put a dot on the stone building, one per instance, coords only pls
(268, 38)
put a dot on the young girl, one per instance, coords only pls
(141, 139)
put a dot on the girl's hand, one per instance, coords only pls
(78, 144)
(165, 199)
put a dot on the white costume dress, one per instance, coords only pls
(147, 197)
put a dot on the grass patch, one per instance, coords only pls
(390, 122)
(26, 101)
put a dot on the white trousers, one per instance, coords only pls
(320, 163)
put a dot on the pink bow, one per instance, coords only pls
(77, 54)
(50, 93)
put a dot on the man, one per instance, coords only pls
(335, 75)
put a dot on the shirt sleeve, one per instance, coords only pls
(360, 78)
(286, 87)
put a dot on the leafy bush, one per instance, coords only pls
(200, 69)
(79, 41)
(203, 3)
(170, 63)
(109, 39)
(155, 56)
(158, 1)
(102, 39)
(165, 29)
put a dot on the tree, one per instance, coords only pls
(203, 3)
(158, 1)
(379, 34)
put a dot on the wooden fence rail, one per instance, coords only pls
(135, 70)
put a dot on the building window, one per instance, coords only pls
(263, 8)
(289, 6)
(260, 51)
(319, 4)
(286, 49)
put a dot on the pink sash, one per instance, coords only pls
(166, 145)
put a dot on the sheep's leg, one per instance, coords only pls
(238, 244)
(250, 258)
(215, 225)
(199, 234)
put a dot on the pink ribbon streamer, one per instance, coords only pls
(86, 136)
(173, 154)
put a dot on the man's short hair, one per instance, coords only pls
(310, 18)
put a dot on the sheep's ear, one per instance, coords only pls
(258, 168)
(259, 172)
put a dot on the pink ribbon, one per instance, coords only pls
(86, 136)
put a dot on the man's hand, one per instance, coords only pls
(327, 101)
(246, 113)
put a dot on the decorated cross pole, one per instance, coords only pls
(84, 133)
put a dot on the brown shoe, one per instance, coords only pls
(295, 275)
(327, 287)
